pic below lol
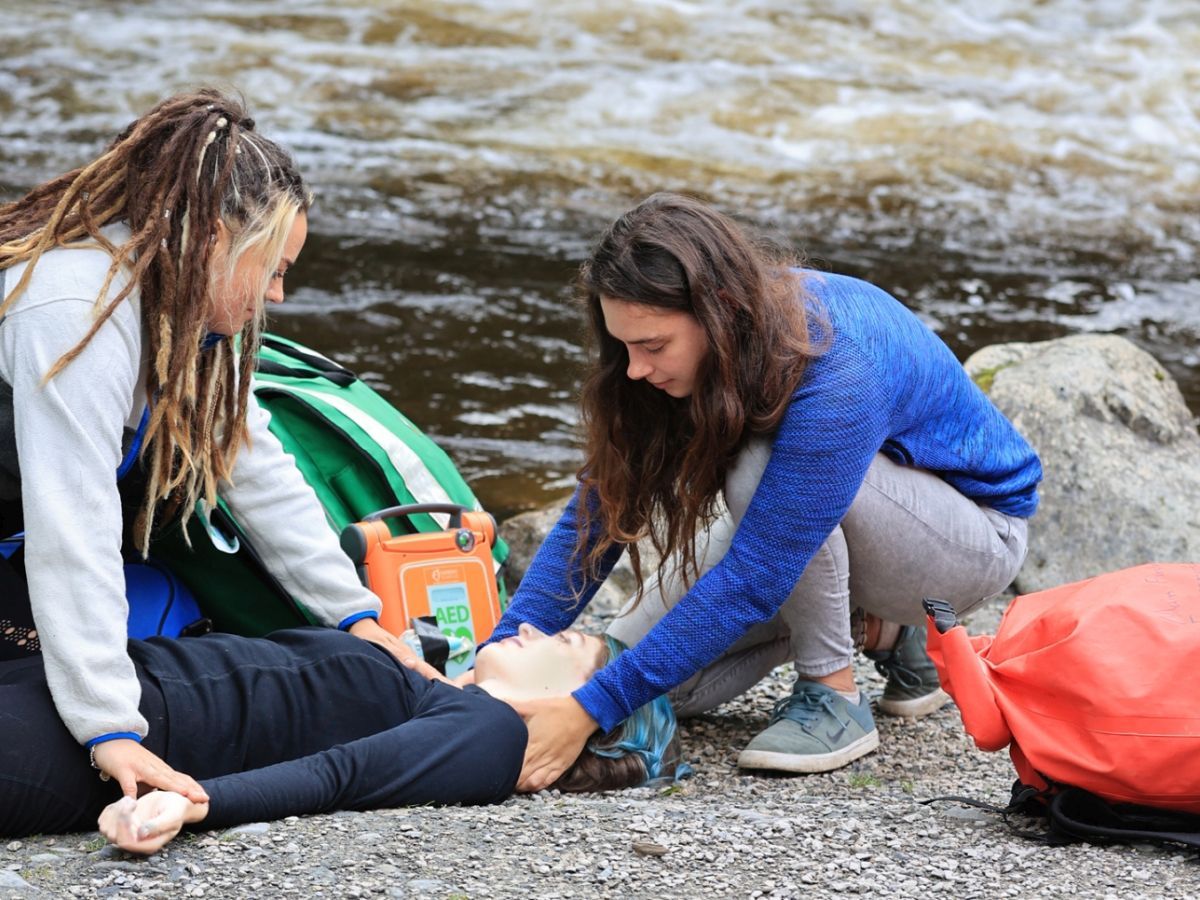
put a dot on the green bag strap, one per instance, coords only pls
(409, 471)
(408, 459)
(306, 355)
(409, 465)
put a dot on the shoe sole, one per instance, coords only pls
(809, 763)
(916, 707)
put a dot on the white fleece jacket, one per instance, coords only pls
(68, 439)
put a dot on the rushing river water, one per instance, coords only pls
(1012, 169)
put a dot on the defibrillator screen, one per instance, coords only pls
(451, 606)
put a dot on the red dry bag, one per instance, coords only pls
(1094, 685)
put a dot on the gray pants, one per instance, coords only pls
(907, 535)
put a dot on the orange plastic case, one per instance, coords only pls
(446, 574)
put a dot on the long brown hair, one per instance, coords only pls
(655, 465)
(191, 162)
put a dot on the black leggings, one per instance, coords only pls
(47, 784)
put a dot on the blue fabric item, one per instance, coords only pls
(12, 544)
(886, 384)
(160, 605)
(114, 736)
(136, 446)
(211, 340)
(648, 734)
(357, 617)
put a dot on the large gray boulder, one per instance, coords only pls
(525, 532)
(1119, 448)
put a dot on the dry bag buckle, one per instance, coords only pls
(943, 614)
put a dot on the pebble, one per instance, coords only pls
(117, 865)
(46, 859)
(429, 886)
(321, 875)
(251, 828)
(11, 881)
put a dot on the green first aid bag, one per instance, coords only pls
(357, 452)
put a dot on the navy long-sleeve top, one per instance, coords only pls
(312, 720)
(885, 383)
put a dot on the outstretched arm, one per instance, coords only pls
(265, 490)
(465, 747)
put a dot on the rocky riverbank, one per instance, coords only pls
(859, 831)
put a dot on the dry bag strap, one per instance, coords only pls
(1075, 815)
(1084, 816)
(1024, 802)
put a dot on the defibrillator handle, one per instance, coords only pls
(454, 510)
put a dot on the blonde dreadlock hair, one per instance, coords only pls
(192, 162)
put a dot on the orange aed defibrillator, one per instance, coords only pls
(446, 574)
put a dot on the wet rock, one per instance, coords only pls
(524, 534)
(1119, 448)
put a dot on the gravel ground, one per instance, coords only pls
(860, 830)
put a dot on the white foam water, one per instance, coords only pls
(1013, 169)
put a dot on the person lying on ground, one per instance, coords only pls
(311, 720)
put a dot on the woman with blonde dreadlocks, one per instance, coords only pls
(124, 284)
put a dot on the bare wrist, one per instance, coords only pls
(196, 813)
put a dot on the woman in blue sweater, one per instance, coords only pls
(811, 458)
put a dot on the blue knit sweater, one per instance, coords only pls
(885, 384)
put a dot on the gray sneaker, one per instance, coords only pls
(912, 688)
(816, 729)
